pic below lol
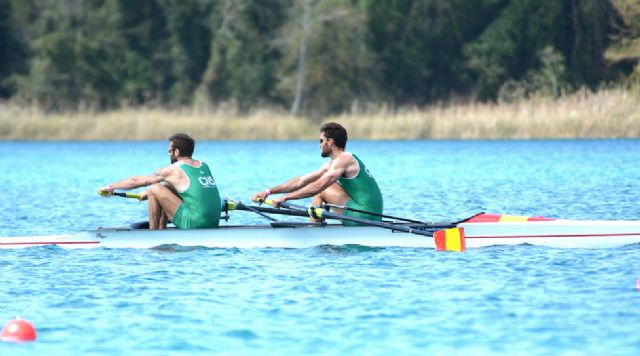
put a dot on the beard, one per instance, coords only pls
(324, 154)
(173, 159)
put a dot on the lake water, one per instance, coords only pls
(328, 299)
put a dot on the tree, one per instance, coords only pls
(313, 57)
(327, 66)
(189, 46)
(419, 45)
(507, 47)
(548, 79)
(242, 57)
(626, 48)
(146, 53)
(13, 54)
(75, 49)
(584, 33)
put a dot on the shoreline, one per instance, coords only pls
(612, 113)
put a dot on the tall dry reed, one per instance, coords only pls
(613, 113)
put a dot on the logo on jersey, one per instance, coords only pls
(207, 182)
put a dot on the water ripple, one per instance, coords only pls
(330, 299)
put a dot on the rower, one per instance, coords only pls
(342, 181)
(183, 192)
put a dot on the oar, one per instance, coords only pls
(249, 208)
(320, 213)
(244, 207)
(451, 239)
(104, 193)
(343, 207)
(231, 205)
(430, 224)
(444, 240)
(435, 225)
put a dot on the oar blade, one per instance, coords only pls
(450, 240)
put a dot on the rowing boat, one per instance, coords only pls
(479, 231)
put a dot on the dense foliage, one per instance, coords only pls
(311, 57)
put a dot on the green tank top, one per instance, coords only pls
(202, 196)
(363, 189)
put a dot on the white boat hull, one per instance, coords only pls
(555, 233)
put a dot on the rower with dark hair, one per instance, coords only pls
(343, 181)
(183, 192)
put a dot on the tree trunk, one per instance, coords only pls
(302, 52)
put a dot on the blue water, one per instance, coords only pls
(328, 299)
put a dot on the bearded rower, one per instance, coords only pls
(343, 181)
(183, 192)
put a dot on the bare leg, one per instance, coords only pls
(334, 194)
(163, 221)
(163, 204)
(155, 211)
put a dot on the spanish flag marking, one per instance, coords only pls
(450, 240)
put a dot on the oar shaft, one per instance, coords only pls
(272, 210)
(440, 225)
(241, 206)
(127, 195)
(330, 215)
(321, 213)
(372, 214)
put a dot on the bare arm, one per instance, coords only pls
(298, 182)
(293, 184)
(330, 176)
(140, 181)
(309, 190)
(136, 182)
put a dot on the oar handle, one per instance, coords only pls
(262, 201)
(104, 193)
(128, 195)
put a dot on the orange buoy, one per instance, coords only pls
(18, 330)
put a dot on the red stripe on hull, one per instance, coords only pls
(494, 218)
(49, 243)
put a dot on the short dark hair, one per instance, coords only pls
(336, 132)
(184, 143)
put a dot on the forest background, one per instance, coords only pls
(276, 69)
